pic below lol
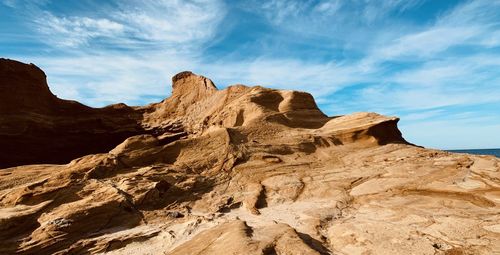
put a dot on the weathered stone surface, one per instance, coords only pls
(38, 127)
(246, 170)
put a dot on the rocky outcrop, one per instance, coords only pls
(38, 127)
(251, 170)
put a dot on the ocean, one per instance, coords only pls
(494, 152)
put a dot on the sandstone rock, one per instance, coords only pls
(38, 127)
(242, 170)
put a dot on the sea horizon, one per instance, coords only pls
(493, 151)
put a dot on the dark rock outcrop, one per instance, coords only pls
(37, 127)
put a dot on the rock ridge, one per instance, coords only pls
(38, 127)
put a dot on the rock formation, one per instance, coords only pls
(243, 170)
(38, 127)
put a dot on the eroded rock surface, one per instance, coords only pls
(38, 127)
(250, 170)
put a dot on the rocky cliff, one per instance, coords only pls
(38, 127)
(243, 170)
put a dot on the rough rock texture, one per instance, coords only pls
(38, 127)
(250, 170)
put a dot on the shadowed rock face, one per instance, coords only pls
(243, 170)
(38, 127)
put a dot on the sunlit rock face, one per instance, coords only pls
(243, 170)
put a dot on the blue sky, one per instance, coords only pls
(435, 64)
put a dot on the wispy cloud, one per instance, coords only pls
(321, 79)
(75, 31)
(171, 21)
(155, 22)
(426, 43)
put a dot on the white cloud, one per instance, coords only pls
(284, 12)
(422, 115)
(464, 71)
(279, 11)
(473, 23)
(402, 97)
(172, 21)
(159, 23)
(491, 40)
(74, 31)
(375, 10)
(472, 12)
(426, 43)
(328, 7)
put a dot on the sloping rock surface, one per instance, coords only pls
(243, 170)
